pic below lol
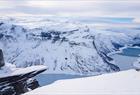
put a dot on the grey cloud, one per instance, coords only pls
(101, 8)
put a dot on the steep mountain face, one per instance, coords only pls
(65, 47)
(107, 41)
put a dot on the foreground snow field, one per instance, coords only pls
(120, 83)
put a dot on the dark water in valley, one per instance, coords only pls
(46, 79)
(125, 59)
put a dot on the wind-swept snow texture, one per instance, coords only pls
(63, 46)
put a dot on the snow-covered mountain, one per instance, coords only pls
(64, 46)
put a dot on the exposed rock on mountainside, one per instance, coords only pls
(65, 47)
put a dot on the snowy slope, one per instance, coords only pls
(64, 46)
(121, 83)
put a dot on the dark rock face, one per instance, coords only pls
(1, 23)
(33, 84)
(20, 87)
(7, 90)
(107, 59)
(2, 63)
(117, 46)
(1, 35)
(23, 86)
(17, 84)
(46, 35)
(136, 45)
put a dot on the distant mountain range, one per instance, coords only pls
(64, 46)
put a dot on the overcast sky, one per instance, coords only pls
(94, 8)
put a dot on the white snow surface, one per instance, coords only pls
(11, 70)
(120, 83)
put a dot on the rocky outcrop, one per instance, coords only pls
(12, 83)
(2, 63)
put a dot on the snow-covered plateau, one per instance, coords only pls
(63, 46)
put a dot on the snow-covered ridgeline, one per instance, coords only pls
(11, 70)
(65, 47)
